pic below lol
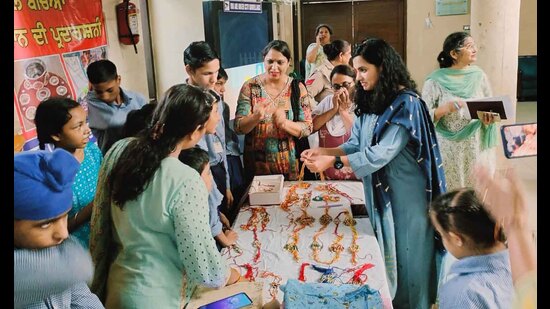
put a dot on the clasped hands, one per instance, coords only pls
(278, 114)
(341, 101)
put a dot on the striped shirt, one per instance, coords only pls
(483, 281)
(53, 277)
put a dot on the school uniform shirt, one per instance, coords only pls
(481, 281)
(53, 277)
(214, 144)
(318, 84)
(107, 119)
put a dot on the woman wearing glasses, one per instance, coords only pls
(272, 110)
(461, 140)
(150, 230)
(333, 117)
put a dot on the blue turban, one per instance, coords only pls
(42, 184)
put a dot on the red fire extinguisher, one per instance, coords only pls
(127, 23)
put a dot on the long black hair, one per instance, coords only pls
(454, 41)
(461, 211)
(393, 74)
(51, 115)
(182, 110)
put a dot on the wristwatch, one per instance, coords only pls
(338, 164)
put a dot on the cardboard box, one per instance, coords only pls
(266, 190)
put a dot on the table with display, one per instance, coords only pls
(319, 233)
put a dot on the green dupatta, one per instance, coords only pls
(463, 83)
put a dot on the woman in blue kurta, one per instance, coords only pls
(62, 122)
(394, 150)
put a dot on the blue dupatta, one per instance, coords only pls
(409, 111)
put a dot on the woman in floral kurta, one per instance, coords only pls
(445, 90)
(268, 121)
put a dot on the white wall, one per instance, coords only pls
(130, 66)
(174, 25)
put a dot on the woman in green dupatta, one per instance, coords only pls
(462, 141)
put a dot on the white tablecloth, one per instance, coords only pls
(274, 258)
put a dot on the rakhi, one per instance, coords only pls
(292, 197)
(331, 189)
(353, 248)
(356, 279)
(304, 220)
(327, 274)
(327, 198)
(249, 272)
(259, 215)
(316, 246)
(274, 285)
(302, 276)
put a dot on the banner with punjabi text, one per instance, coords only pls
(54, 41)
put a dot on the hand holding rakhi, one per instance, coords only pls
(318, 163)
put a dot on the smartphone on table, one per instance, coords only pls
(236, 301)
(519, 140)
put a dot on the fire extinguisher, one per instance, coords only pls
(127, 23)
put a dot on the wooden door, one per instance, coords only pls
(356, 20)
(384, 19)
(337, 15)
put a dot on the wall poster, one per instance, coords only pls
(54, 41)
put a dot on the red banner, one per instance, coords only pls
(45, 27)
(53, 41)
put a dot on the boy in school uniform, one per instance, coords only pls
(50, 268)
(108, 104)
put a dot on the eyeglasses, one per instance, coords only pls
(338, 86)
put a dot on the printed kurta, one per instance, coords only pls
(319, 58)
(269, 150)
(459, 157)
(84, 186)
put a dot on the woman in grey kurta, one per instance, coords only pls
(462, 141)
(393, 149)
(150, 232)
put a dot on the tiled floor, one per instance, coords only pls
(526, 168)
